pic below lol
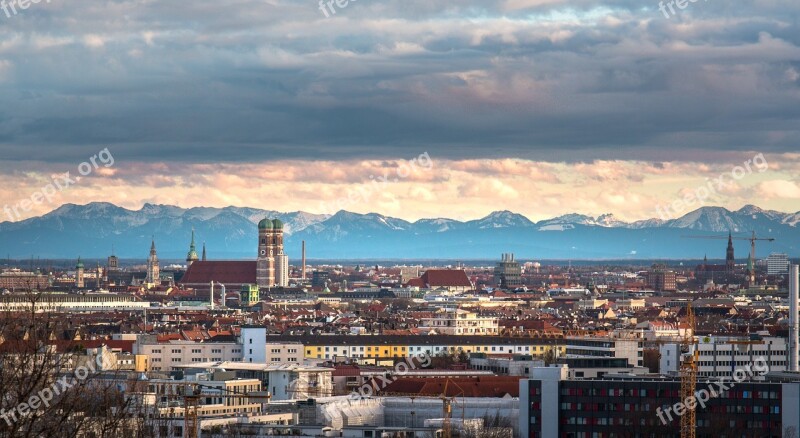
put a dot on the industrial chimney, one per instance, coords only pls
(303, 269)
(794, 283)
(211, 297)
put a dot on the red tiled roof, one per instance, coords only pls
(226, 272)
(446, 277)
(346, 370)
(416, 282)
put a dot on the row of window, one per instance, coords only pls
(197, 351)
(661, 393)
(742, 353)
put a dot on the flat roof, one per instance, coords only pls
(253, 366)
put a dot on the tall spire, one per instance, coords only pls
(191, 256)
(204, 251)
(730, 260)
(153, 270)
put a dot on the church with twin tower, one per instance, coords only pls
(270, 268)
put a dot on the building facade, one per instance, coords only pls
(508, 273)
(777, 264)
(168, 356)
(551, 405)
(461, 322)
(630, 349)
(720, 356)
(58, 302)
(17, 280)
(375, 349)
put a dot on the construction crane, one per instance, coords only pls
(191, 401)
(447, 405)
(689, 357)
(752, 261)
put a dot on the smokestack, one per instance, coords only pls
(303, 269)
(211, 298)
(794, 282)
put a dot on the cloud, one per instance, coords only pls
(461, 189)
(545, 80)
(779, 189)
(539, 106)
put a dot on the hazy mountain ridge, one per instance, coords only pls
(90, 231)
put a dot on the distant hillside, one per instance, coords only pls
(90, 231)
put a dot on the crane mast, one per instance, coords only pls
(689, 375)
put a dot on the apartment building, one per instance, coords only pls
(166, 356)
(460, 322)
(374, 349)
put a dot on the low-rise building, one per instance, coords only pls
(62, 302)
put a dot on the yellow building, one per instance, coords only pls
(374, 349)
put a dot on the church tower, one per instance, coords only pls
(153, 274)
(191, 256)
(79, 274)
(272, 265)
(730, 261)
(113, 261)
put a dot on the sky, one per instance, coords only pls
(409, 108)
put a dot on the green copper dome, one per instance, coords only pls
(80, 264)
(265, 224)
(277, 224)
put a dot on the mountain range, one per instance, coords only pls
(230, 233)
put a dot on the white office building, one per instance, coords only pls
(777, 264)
(720, 356)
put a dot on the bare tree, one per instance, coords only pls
(47, 388)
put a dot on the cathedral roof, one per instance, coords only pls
(265, 224)
(227, 272)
